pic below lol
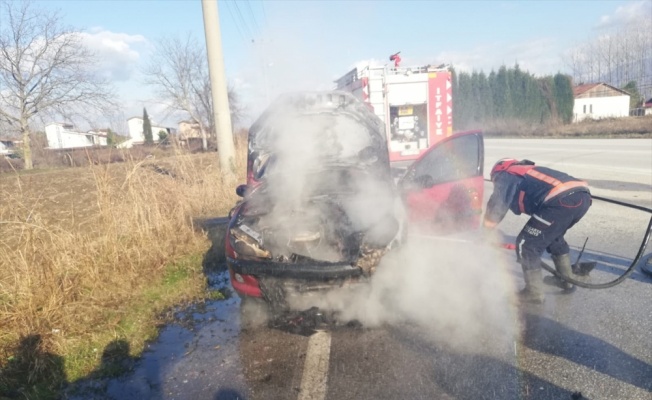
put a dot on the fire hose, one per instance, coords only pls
(585, 268)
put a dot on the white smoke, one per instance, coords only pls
(300, 144)
(459, 292)
(320, 156)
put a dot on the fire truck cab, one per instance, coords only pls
(415, 103)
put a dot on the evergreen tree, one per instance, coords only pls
(518, 92)
(110, 138)
(461, 98)
(563, 97)
(546, 85)
(501, 94)
(510, 93)
(162, 136)
(147, 128)
(456, 99)
(476, 100)
(486, 96)
(635, 98)
(535, 102)
(465, 107)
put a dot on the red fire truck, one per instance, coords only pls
(414, 102)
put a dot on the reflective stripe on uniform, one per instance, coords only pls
(543, 177)
(520, 249)
(558, 188)
(564, 187)
(543, 221)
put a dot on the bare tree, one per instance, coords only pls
(178, 70)
(117, 122)
(619, 56)
(44, 69)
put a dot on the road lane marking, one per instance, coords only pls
(315, 368)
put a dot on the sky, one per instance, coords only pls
(271, 47)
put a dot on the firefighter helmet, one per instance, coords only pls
(501, 165)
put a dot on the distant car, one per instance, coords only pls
(320, 207)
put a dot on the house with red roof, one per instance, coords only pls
(647, 106)
(599, 100)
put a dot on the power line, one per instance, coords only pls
(265, 20)
(244, 22)
(253, 16)
(235, 22)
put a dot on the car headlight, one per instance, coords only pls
(247, 242)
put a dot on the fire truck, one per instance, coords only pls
(415, 103)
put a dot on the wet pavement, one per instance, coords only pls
(603, 354)
(593, 344)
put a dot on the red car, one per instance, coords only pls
(320, 207)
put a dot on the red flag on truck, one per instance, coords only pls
(396, 58)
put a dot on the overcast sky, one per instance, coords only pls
(276, 46)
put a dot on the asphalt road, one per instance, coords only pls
(615, 168)
(445, 327)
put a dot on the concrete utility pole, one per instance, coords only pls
(221, 113)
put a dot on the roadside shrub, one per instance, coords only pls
(11, 164)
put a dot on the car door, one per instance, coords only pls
(443, 189)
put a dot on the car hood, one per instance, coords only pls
(307, 132)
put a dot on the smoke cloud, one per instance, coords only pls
(326, 178)
(327, 182)
(457, 291)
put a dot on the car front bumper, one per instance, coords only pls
(310, 271)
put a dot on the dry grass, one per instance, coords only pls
(634, 127)
(88, 255)
(45, 158)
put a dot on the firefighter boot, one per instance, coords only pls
(533, 292)
(563, 266)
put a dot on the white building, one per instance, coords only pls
(135, 125)
(189, 129)
(647, 106)
(63, 136)
(6, 147)
(9, 146)
(599, 100)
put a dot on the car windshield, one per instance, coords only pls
(322, 138)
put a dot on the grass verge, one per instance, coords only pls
(91, 257)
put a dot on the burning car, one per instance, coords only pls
(320, 207)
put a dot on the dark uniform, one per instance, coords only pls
(555, 201)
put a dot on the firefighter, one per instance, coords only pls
(554, 201)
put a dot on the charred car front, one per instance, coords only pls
(320, 207)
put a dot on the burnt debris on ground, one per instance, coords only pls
(309, 321)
